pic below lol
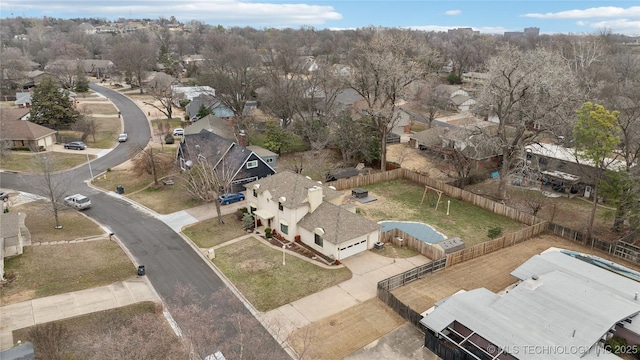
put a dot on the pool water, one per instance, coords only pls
(421, 231)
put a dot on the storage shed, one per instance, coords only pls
(451, 245)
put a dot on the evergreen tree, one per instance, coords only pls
(82, 83)
(51, 106)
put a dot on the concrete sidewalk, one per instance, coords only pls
(62, 306)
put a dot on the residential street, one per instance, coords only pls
(170, 261)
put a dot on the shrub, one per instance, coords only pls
(267, 233)
(494, 232)
(247, 221)
(454, 79)
(616, 345)
(184, 102)
(169, 139)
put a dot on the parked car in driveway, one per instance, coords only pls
(76, 145)
(178, 132)
(123, 137)
(4, 196)
(78, 201)
(229, 198)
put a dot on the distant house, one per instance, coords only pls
(216, 107)
(216, 125)
(461, 101)
(23, 134)
(87, 28)
(194, 59)
(23, 99)
(475, 78)
(303, 210)
(403, 122)
(91, 67)
(478, 145)
(239, 163)
(191, 92)
(563, 305)
(13, 236)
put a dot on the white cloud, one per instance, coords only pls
(209, 11)
(598, 12)
(453, 12)
(622, 26)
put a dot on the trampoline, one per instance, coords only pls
(420, 231)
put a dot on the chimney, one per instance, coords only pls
(314, 197)
(242, 139)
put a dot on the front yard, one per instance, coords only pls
(257, 270)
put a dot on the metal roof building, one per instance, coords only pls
(563, 308)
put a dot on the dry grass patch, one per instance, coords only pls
(209, 233)
(98, 108)
(28, 162)
(256, 270)
(55, 269)
(40, 222)
(339, 335)
(490, 271)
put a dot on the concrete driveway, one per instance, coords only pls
(368, 269)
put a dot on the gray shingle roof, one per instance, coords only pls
(567, 295)
(292, 186)
(339, 224)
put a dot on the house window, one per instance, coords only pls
(318, 240)
(280, 207)
(284, 229)
(255, 193)
(252, 164)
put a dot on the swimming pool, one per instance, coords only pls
(418, 230)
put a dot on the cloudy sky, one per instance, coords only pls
(551, 16)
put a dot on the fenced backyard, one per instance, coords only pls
(441, 261)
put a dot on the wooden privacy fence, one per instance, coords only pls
(408, 276)
(429, 250)
(451, 191)
(496, 244)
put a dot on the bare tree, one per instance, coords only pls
(381, 69)
(145, 336)
(207, 181)
(160, 88)
(14, 66)
(55, 185)
(134, 58)
(86, 124)
(151, 161)
(528, 94)
(230, 67)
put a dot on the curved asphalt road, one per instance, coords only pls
(171, 263)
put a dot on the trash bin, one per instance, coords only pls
(379, 245)
(141, 271)
(120, 189)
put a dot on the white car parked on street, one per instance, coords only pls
(78, 201)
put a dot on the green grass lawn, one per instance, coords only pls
(209, 233)
(469, 222)
(256, 270)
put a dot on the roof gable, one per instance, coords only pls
(339, 224)
(23, 130)
(294, 187)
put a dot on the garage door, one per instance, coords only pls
(353, 249)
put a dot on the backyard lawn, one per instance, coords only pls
(256, 269)
(400, 200)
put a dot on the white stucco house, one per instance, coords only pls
(308, 212)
